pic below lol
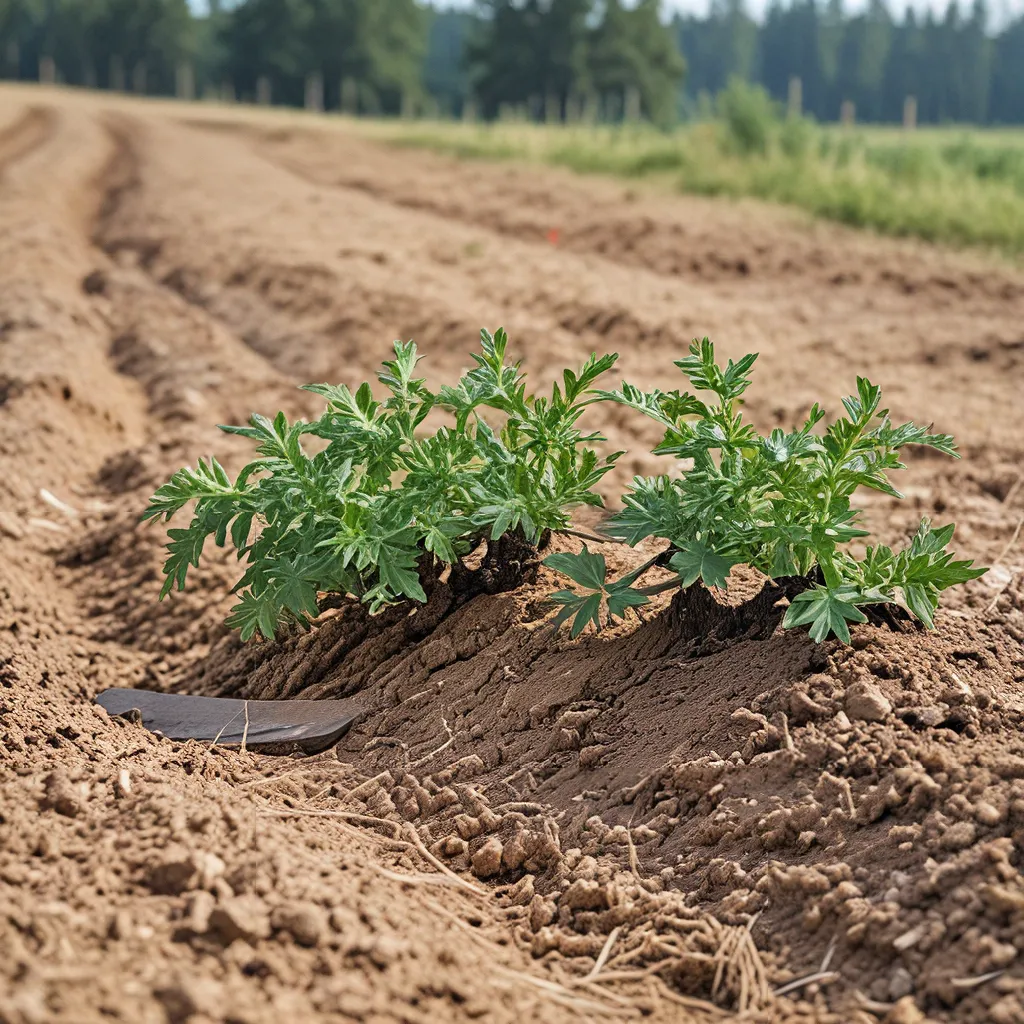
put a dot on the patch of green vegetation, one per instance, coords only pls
(781, 504)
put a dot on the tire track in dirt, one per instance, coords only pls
(30, 131)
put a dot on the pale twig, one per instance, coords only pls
(690, 1002)
(434, 753)
(843, 787)
(606, 950)
(636, 974)
(416, 844)
(606, 993)
(810, 979)
(245, 728)
(264, 779)
(559, 992)
(634, 863)
(990, 607)
(412, 878)
(1009, 544)
(722, 958)
(562, 995)
(1012, 492)
(628, 957)
(216, 739)
(829, 953)
(589, 536)
(443, 868)
(54, 502)
(977, 980)
(873, 1005)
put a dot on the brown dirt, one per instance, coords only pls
(699, 821)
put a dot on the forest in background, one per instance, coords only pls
(602, 60)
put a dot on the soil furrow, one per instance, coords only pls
(629, 224)
(651, 787)
(27, 133)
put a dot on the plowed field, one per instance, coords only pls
(522, 827)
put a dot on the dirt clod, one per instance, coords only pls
(305, 922)
(487, 859)
(241, 917)
(61, 795)
(188, 997)
(866, 702)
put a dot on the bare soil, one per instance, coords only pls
(646, 823)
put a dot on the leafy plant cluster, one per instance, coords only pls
(369, 503)
(780, 503)
(385, 503)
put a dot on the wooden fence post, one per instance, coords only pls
(116, 81)
(631, 105)
(47, 71)
(264, 93)
(795, 103)
(910, 113)
(315, 91)
(184, 81)
(350, 96)
(847, 113)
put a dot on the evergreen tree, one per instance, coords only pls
(379, 44)
(444, 70)
(631, 48)
(1007, 97)
(537, 53)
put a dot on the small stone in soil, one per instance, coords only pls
(487, 860)
(900, 984)
(304, 921)
(958, 836)
(61, 796)
(244, 917)
(187, 997)
(867, 702)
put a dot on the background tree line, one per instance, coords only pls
(957, 69)
(545, 58)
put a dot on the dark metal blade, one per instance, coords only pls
(269, 726)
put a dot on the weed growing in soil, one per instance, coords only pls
(384, 506)
(780, 504)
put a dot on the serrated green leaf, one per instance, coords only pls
(620, 599)
(587, 568)
(588, 610)
(827, 612)
(697, 561)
